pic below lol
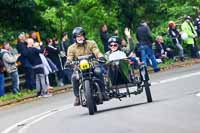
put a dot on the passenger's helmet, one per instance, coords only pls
(114, 39)
(78, 31)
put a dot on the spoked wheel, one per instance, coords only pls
(82, 97)
(89, 97)
(148, 91)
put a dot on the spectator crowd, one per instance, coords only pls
(43, 63)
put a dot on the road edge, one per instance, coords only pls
(67, 88)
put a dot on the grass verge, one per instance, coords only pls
(10, 96)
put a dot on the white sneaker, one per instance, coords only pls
(39, 96)
(47, 95)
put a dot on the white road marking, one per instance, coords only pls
(198, 94)
(24, 129)
(176, 78)
(34, 119)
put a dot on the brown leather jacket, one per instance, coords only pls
(76, 50)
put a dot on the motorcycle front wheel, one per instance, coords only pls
(92, 107)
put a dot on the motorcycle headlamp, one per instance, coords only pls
(84, 65)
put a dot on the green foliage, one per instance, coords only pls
(51, 17)
(89, 14)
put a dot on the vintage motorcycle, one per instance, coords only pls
(88, 69)
(118, 80)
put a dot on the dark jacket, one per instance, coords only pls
(63, 52)
(35, 59)
(53, 54)
(175, 36)
(22, 49)
(143, 35)
(64, 46)
(160, 49)
(197, 25)
(104, 38)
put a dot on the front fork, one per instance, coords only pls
(97, 93)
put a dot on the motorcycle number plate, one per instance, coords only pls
(124, 90)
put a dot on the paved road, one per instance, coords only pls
(176, 109)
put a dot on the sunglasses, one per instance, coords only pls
(114, 45)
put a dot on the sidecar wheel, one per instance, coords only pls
(148, 91)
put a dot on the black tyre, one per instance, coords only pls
(148, 91)
(89, 97)
(99, 97)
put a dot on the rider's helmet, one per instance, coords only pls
(171, 24)
(77, 32)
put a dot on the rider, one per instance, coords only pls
(82, 47)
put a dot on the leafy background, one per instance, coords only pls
(52, 17)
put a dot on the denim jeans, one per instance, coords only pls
(30, 82)
(148, 53)
(180, 48)
(2, 90)
(15, 81)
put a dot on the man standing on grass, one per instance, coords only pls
(2, 90)
(9, 59)
(188, 28)
(145, 39)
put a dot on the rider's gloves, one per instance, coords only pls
(67, 64)
(102, 59)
